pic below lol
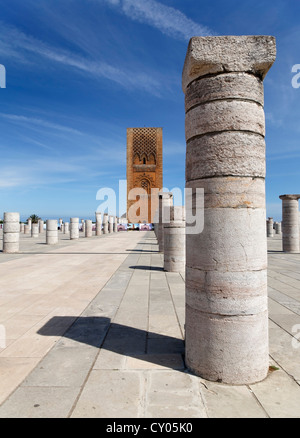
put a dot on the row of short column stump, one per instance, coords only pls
(12, 229)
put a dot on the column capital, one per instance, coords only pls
(223, 54)
(290, 197)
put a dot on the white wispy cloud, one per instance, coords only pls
(167, 19)
(25, 48)
(40, 122)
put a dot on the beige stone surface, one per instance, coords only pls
(226, 153)
(222, 54)
(219, 116)
(227, 86)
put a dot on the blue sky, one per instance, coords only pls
(79, 72)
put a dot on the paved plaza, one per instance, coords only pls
(95, 328)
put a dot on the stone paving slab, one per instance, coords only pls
(111, 345)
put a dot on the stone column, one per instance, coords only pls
(74, 228)
(88, 228)
(270, 227)
(115, 224)
(98, 223)
(22, 228)
(105, 223)
(174, 241)
(66, 227)
(11, 232)
(278, 228)
(60, 221)
(41, 226)
(83, 226)
(29, 222)
(111, 224)
(155, 222)
(226, 265)
(27, 229)
(51, 232)
(290, 223)
(35, 230)
(165, 200)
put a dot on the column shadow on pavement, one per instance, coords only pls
(148, 268)
(99, 332)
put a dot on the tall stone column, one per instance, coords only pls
(290, 223)
(270, 227)
(74, 228)
(174, 241)
(35, 230)
(27, 229)
(51, 232)
(278, 228)
(165, 201)
(98, 223)
(226, 264)
(22, 228)
(41, 226)
(11, 232)
(66, 227)
(155, 222)
(88, 228)
(115, 224)
(60, 224)
(111, 224)
(105, 223)
(29, 223)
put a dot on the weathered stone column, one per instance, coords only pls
(174, 241)
(51, 232)
(88, 228)
(11, 232)
(60, 221)
(115, 224)
(155, 222)
(83, 226)
(22, 228)
(165, 200)
(35, 230)
(278, 228)
(41, 226)
(270, 227)
(111, 224)
(98, 223)
(290, 223)
(74, 228)
(29, 223)
(105, 223)
(26, 229)
(66, 227)
(226, 264)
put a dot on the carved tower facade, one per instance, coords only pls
(145, 167)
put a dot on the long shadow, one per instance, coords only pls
(72, 253)
(99, 332)
(149, 268)
(141, 250)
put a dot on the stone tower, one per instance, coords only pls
(144, 167)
